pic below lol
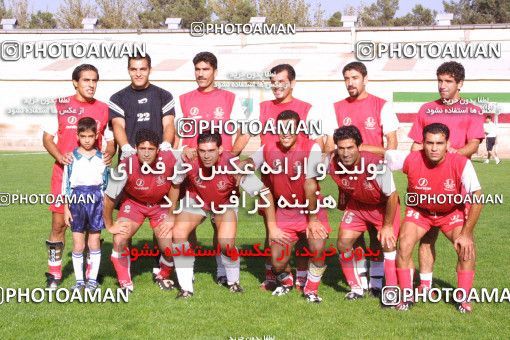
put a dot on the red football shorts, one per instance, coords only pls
(137, 212)
(427, 220)
(292, 222)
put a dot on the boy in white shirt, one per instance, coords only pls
(83, 183)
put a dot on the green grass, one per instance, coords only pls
(214, 312)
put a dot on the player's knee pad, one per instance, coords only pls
(55, 250)
(316, 270)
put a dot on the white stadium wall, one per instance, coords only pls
(317, 55)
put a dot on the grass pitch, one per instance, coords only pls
(214, 312)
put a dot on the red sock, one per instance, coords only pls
(121, 265)
(465, 280)
(390, 272)
(350, 273)
(269, 273)
(166, 270)
(285, 279)
(313, 279)
(405, 278)
(55, 270)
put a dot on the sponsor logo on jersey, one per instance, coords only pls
(139, 182)
(347, 121)
(423, 184)
(199, 183)
(127, 208)
(72, 120)
(277, 163)
(193, 111)
(345, 182)
(142, 101)
(370, 123)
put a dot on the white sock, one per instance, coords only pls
(376, 274)
(426, 277)
(220, 267)
(232, 268)
(184, 267)
(95, 261)
(78, 266)
(390, 255)
(361, 269)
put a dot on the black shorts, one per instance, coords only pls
(490, 142)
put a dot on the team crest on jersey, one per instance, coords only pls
(449, 185)
(368, 186)
(160, 180)
(370, 123)
(455, 219)
(139, 182)
(193, 111)
(347, 121)
(218, 113)
(297, 167)
(72, 120)
(222, 185)
(127, 208)
(142, 101)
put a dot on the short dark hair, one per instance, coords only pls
(348, 132)
(357, 66)
(139, 56)
(87, 123)
(207, 57)
(452, 68)
(284, 67)
(288, 114)
(207, 137)
(146, 135)
(436, 128)
(83, 67)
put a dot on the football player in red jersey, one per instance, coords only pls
(143, 197)
(372, 202)
(431, 173)
(69, 111)
(465, 121)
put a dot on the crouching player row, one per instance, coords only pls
(433, 172)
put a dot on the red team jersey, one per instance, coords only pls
(218, 189)
(68, 115)
(69, 111)
(215, 105)
(361, 191)
(291, 220)
(366, 201)
(445, 178)
(149, 188)
(464, 120)
(365, 114)
(270, 109)
(281, 184)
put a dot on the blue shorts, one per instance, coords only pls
(87, 216)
